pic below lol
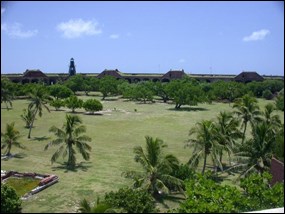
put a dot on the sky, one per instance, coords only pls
(143, 36)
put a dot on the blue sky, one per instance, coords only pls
(143, 37)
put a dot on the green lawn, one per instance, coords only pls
(114, 134)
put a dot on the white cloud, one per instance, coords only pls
(181, 60)
(114, 36)
(15, 31)
(78, 27)
(2, 10)
(257, 35)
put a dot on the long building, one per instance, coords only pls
(36, 75)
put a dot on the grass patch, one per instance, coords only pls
(22, 185)
(114, 135)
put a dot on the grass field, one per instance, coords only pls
(114, 134)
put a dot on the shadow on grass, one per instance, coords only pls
(188, 109)
(93, 114)
(41, 138)
(57, 110)
(110, 99)
(18, 156)
(174, 197)
(82, 166)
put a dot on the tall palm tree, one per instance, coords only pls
(227, 132)
(204, 143)
(39, 100)
(247, 111)
(256, 154)
(157, 168)
(99, 207)
(272, 120)
(7, 92)
(70, 135)
(28, 117)
(10, 138)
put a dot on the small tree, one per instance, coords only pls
(73, 103)
(279, 102)
(10, 138)
(131, 200)
(92, 105)
(57, 103)
(28, 117)
(70, 136)
(266, 94)
(10, 201)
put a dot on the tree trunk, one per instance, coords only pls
(243, 135)
(29, 136)
(204, 165)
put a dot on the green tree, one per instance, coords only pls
(272, 120)
(73, 103)
(157, 168)
(160, 90)
(28, 117)
(205, 144)
(39, 100)
(10, 201)
(185, 92)
(143, 92)
(279, 102)
(69, 136)
(247, 110)
(259, 194)
(57, 104)
(92, 105)
(7, 92)
(266, 94)
(108, 86)
(279, 147)
(10, 138)
(204, 195)
(75, 83)
(131, 200)
(60, 91)
(227, 132)
(256, 154)
(99, 207)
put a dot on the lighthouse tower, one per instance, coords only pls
(72, 70)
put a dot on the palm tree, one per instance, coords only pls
(227, 132)
(28, 117)
(39, 99)
(71, 136)
(157, 168)
(10, 138)
(256, 154)
(272, 120)
(247, 110)
(7, 92)
(99, 207)
(205, 143)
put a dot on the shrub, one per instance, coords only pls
(10, 201)
(131, 200)
(266, 94)
(92, 105)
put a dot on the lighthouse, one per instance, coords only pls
(72, 70)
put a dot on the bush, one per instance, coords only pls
(266, 94)
(57, 103)
(279, 102)
(131, 200)
(92, 105)
(10, 201)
